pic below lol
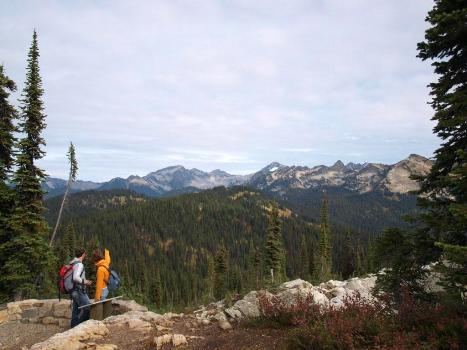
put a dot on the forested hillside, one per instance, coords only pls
(167, 249)
(367, 212)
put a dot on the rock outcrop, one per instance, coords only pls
(75, 338)
(328, 294)
(136, 322)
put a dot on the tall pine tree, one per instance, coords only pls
(443, 191)
(210, 277)
(442, 234)
(157, 291)
(69, 243)
(304, 259)
(7, 140)
(27, 267)
(349, 257)
(274, 249)
(323, 263)
(221, 272)
(253, 267)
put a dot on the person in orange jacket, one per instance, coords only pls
(102, 274)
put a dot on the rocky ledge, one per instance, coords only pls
(328, 294)
(162, 331)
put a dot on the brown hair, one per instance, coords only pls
(97, 255)
(79, 252)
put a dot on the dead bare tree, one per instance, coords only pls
(71, 178)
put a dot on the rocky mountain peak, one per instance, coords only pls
(354, 166)
(398, 178)
(219, 172)
(338, 165)
(416, 157)
(272, 167)
(171, 169)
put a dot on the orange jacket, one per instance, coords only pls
(102, 275)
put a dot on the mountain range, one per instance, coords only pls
(275, 178)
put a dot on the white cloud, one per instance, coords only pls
(299, 150)
(242, 83)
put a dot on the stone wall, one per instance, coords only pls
(47, 311)
(53, 311)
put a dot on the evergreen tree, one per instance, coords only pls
(323, 264)
(454, 273)
(257, 268)
(157, 290)
(397, 253)
(253, 268)
(145, 286)
(444, 190)
(7, 115)
(28, 265)
(221, 272)
(304, 259)
(349, 257)
(369, 261)
(89, 266)
(359, 268)
(69, 242)
(210, 278)
(71, 178)
(235, 283)
(66, 249)
(7, 140)
(127, 287)
(274, 250)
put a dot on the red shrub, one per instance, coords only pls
(300, 312)
(364, 324)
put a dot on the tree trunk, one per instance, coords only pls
(68, 186)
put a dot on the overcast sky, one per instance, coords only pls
(235, 85)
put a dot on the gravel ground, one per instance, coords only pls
(15, 335)
(203, 338)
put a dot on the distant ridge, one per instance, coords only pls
(275, 177)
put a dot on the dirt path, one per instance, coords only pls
(202, 337)
(238, 338)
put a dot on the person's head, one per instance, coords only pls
(80, 253)
(97, 255)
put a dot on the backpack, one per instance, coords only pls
(113, 282)
(65, 281)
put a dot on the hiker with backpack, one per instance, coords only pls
(77, 289)
(72, 280)
(107, 280)
(102, 274)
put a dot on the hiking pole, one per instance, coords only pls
(100, 302)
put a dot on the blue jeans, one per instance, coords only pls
(79, 298)
(105, 293)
